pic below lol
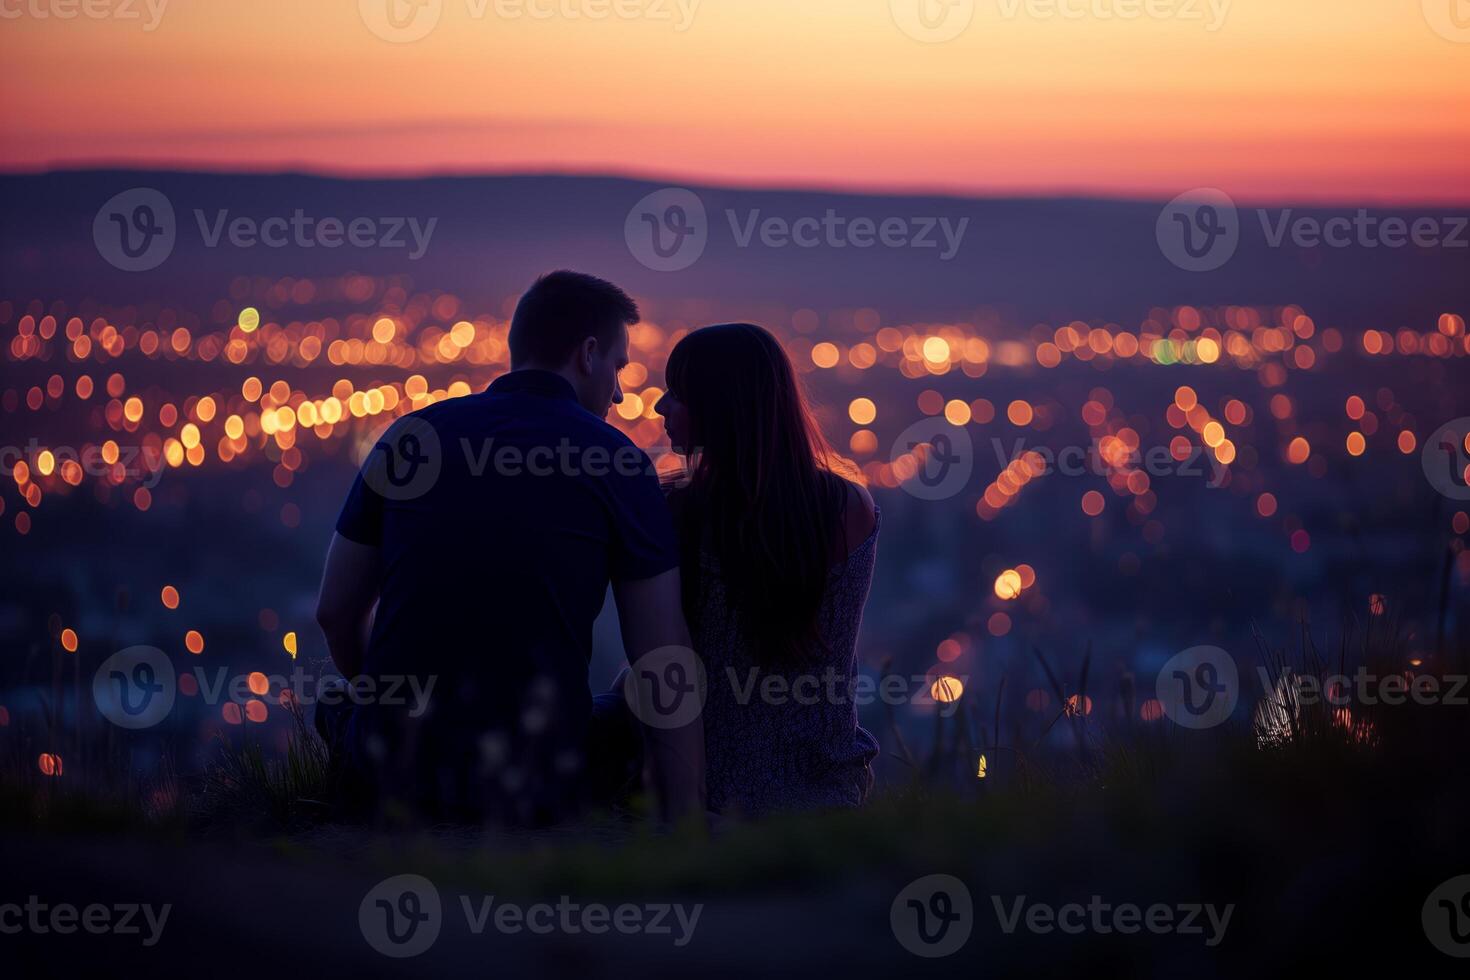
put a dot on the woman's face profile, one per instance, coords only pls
(676, 421)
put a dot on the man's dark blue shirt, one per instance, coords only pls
(501, 518)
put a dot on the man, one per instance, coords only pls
(487, 529)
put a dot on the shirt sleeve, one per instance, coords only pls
(644, 543)
(361, 519)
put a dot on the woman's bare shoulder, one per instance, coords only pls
(860, 514)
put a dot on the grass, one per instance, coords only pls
(1056, 789)
(243, 786)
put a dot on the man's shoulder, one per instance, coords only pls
(553, 422)
(594, 431)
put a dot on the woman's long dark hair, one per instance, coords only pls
(762, 497)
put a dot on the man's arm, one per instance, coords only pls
(651, 614)
(345, 604)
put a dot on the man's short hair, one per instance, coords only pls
(560, 311)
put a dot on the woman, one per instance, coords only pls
(778, 557)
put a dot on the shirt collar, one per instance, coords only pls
(530, 381)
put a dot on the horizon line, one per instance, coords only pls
(711, 182)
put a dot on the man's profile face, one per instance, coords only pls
(602, 390)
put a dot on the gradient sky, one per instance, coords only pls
(1342, 100)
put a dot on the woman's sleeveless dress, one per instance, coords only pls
(786, 739)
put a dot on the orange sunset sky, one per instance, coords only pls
(1273, 100)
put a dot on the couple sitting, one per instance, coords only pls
(486, 529)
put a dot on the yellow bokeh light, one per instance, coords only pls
(631, 407)
(863, 442)
(946, 689)
(1020, 412)
(1008, 584)
(862, 411)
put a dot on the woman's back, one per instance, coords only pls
(787, 737)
